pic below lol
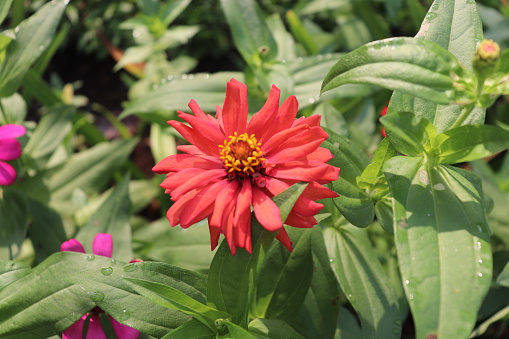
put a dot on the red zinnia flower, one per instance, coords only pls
(234, 165)
(383, 113)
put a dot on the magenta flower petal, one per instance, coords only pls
(95, 329)
(11, 131)
(72, 245)
(103, 245)
(75, 331)
(124, 331)
(7, 174)
(10, 149)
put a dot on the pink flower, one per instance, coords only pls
(102, 245)
(10, 149)
(235, 166)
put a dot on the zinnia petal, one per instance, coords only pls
(124, 331)
(95, 330)
(234, 113)
(283, 237)
(12, 131)
(75, 331)
(103, 245)
(263, 118)
(7, 174)
(266, 211)
(10, 149)
(72, 245)
(175, 163)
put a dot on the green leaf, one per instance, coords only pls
(42, 303)
(192, 329)
(353, 202)
(13, 109)
(4, 9)
(470, 142)
(46, 229)
(235, 331)
(284, 278)
(318, 315)
(50, 132)
(442, 242)
(456, 26)
(11, 271)
(33, 35)
(273, 328)
(207, 90)
(112, 217)
(107, 286)
(89, 170)
(363, 280)
(503, 278)
(172, 298)
(251, 34)
(14, 217)
(414, 66)
(408, 133)
(300, 33)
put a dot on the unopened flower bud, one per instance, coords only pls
(485, 58)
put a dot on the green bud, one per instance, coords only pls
(485, 58)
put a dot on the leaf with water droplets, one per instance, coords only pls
(445, 260)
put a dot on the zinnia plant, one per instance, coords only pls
(102, 245)
(234, 165)
(10, 149)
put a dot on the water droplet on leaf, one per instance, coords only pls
(106, 270)
(97, 296)
(90, 257)
(431, 15)
(124, 315)
(130, 268)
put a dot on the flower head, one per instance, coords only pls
(10, 149)
(234, 166)
(102, 245)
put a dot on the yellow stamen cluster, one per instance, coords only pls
(241, 154)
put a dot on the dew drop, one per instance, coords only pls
(184, 77)
(170, 77)
(41, 48)
(396, 331)
(206, 76)
(97, 296)
(106, 271)
(130, 268)
(480, 261)
(479, 245)
(479, 228)
(113, 261)
(435, 6)
(331, 260)
(410, 296)
(479, 275)
(397, 322)
(16, 30)
(431, 15)
(407, 282)
(190, 76)
(311, 100)
(439, 187)
(90, 257)
(124, 316)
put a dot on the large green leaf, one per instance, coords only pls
(442, 242)
(353, 202)
(174, 299)
(192, 329)
(107, 287)
(318, 315)
(42, 303)
(89, 170)
(413, 66)
(14, 220)
(363, 280)
(33, 36)
(284, 278)
(470, 142)
(250, 33)
(112, 217)
(456, 26)
(10, 271)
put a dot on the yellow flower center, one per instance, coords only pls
(241, 155)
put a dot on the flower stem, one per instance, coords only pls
(465, 111)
